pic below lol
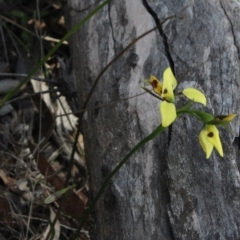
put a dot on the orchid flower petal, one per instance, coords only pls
(168, 113)
(169, 84)
(195, 95)
(206, 145)
(168, 75)
(156, 84)
(212, 135)
(229, 117)
(225, 118)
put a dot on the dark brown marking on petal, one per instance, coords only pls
(165, 91)
(154, 83)
(210, 134)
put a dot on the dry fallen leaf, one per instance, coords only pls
(8, 181)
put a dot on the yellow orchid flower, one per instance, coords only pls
(209, 138)
(165, 90)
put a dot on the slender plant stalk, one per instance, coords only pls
(140, 144)
(156, 132)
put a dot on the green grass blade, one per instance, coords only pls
(72, 31)
(156, 132)
(51, 230)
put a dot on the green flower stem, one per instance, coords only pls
(200, 115)
(71, 32)
(156, 132)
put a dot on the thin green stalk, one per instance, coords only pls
(72, 31)
(156, 132)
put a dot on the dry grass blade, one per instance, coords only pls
(56, 229)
